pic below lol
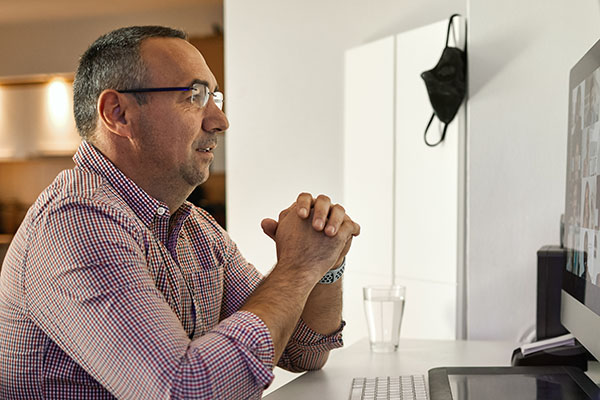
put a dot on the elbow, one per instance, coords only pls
(307, 363)
(320, 363)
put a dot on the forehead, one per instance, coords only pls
(173, 61)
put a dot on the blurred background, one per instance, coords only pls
(41, 42)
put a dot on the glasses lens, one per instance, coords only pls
(218, 98)
(199, 94)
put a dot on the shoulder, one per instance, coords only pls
(80, 197)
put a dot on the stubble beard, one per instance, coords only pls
(194, 175)
(191, 173)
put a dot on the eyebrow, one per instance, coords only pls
(205, 83)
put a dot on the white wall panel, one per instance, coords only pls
(430, 310)
(411, 237)
(520, 55)
(369, 154)
(426, 177)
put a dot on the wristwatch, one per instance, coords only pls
(333, 274)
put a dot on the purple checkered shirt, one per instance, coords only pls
(102, 297)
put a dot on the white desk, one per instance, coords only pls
(413, 357)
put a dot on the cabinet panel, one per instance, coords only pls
(429, 310)
(406, 195)
(426, 177)
(368, 153)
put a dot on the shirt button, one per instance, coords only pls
(161, 211)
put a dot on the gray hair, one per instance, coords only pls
(113, 61)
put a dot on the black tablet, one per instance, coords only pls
(515, 383)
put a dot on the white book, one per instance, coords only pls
(564, 340)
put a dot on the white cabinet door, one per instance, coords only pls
(368, 173)
(427, 193)
(406, 195)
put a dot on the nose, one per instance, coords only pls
(214, 120)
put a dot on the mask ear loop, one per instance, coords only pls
(441, 138)
(433, 114)
(450, 26)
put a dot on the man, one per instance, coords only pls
(115, 286)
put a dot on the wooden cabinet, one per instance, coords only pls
(36, 118)
(211, 194)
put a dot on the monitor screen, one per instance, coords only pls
(580, 310)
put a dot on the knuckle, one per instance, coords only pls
(340, 208)
(323, 197)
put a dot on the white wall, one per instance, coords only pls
(284, 63)
(520, 54)
(412, 236)
(284, 70)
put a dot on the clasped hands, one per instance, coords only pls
(313, 235)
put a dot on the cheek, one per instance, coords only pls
(173, 131)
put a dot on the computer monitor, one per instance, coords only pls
(580, 295)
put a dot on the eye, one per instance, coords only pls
(199, 95)
(195, 97)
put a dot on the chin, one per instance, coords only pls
(195, 177)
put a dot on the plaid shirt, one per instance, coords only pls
(102, 297)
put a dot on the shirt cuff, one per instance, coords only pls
(308, 350)
(309, 340)
(253, 339)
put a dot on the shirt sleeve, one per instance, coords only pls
(87, 287)
(307, 350)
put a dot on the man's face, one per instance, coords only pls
(173, 134)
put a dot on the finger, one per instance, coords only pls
(269, 227)
(337, 214)
(283, 213)
(348, 229)
(304, 202)
(356, 229)
(321, 209)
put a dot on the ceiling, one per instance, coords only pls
(17, 11)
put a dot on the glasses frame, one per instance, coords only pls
(217, 96)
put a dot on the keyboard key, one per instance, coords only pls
(406, 387)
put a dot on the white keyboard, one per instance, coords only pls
(409, 387)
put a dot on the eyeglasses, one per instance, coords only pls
(199, 97)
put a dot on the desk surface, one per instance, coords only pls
(413, 357)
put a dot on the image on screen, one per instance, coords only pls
(582, 215)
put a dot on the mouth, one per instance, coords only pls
(208, 149)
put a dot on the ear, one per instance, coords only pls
(115, 110)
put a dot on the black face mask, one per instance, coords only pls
(446, 85)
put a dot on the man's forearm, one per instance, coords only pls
(323, 310)
(279, 302)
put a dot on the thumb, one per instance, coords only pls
(269, 227)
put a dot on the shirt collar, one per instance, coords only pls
(143, 205)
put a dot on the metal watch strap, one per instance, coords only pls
(333, 274)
